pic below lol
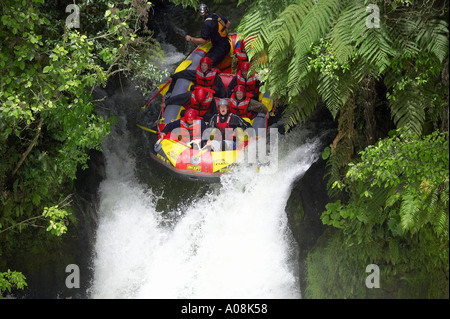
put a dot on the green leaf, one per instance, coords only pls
(47, 68)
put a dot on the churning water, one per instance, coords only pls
(232, 242)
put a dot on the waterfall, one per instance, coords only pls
(233, 241)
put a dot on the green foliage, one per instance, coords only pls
(132, 50)
(11, 279)
(57, 219)
(414, 172)
(398, 207)
(331, 273)
(48, 121)
(391, 208)
(409, 267)
(306, 39)
(414, 91)
(325, 61)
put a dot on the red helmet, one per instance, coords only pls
(190, 114)
(207, 60)
(239, 88)
(200, 94)
(245, 66)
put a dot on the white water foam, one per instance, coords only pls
(234, 242)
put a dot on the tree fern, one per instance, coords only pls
(304, 105)
(254, 26)
(432, 35)
(404, 35)
(407, 108)
(375, 47)
(316, 24)
(313, 27)
(331, 93)
(409, 211)
(348, 27)
(286, 27)
(286, 34)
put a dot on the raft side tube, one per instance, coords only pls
(172, 111)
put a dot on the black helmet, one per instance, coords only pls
(202, 9)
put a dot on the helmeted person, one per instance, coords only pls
(201, 100)
(224, 119)
(189, 129)
(250, 83)
(242, 105)
(214, 29)
(204, 75)
(226, 122)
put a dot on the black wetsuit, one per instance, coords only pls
(234, 122)
(210, 31)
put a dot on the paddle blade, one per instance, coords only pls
(163, 91)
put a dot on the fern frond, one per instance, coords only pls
(297, 70)
(375, 47)
(438, 215)
(316, 24)
(349, 26)
(433, 37)
(252, 28)
(301, 107)
(403, 33)
(337, 165)
(284, 29)
(254, 24)
(441, 227)
(330, 91)
(377, 201)
(408, 108)
(409, 211)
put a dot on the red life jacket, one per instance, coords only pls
(206, 79)
(227, 132)
(241, 56)
(249, 84)
(223, 126)
(241, 108)
(190, 132)
(202, 107)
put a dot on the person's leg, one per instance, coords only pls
(218, 53)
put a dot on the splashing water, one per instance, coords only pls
(232, 242)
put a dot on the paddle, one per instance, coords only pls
(167, 83)
(147, 129)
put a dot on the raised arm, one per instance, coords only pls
(195, 41)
